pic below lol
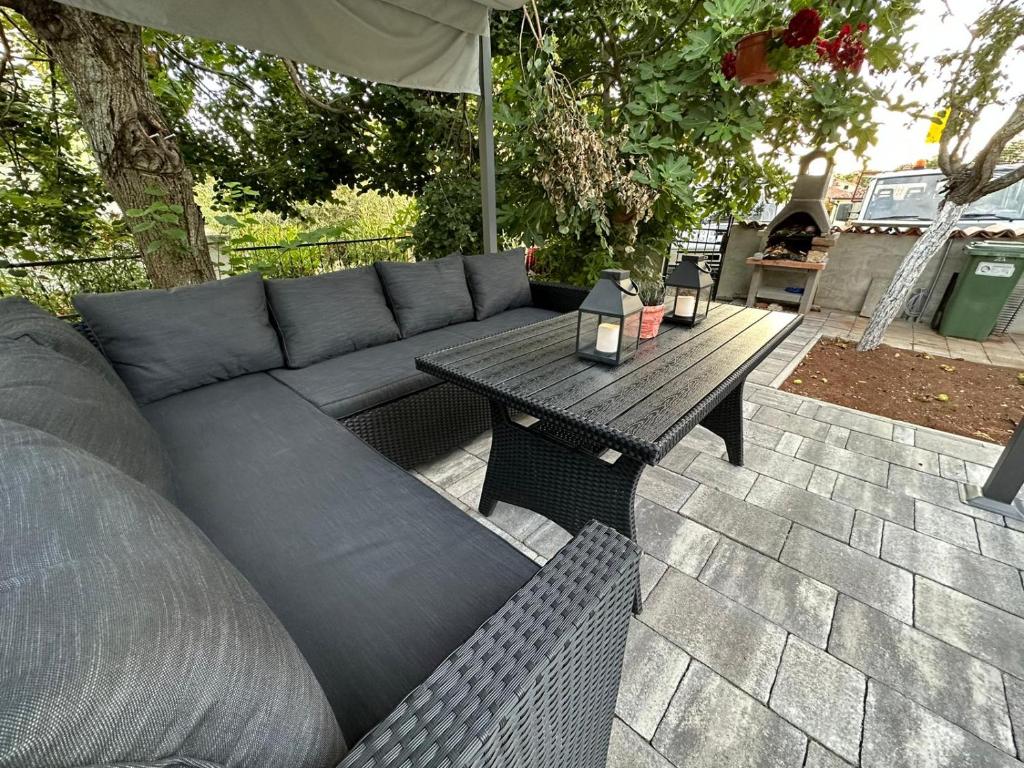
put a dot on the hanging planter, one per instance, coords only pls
(752, 67)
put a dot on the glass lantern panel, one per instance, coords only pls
(631, 333)
(599, 336)
(685, 302)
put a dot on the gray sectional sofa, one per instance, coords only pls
(201, 564)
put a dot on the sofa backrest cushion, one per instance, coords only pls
(498, 281)
(166, 341)
(427, 294)
(328, 315)
(43, 389)
(21, 319)
(127, 638)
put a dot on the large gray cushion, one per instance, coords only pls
(43, 389)
(329, 315)
(125, 637)
(21, 319)
(375, 576)
(370, 377)
(498, 281)
(167, 341)
(427, 294)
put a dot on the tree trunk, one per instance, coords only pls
(908, 272)
(102, 59)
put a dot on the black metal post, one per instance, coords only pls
(999, 493)
(485, 120)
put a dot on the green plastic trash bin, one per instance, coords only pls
(984, 285)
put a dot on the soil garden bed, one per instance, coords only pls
(972, 399)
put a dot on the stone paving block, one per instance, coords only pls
(774, 398)
(791, 422)
(971, 625)
(720, 474)
(867, 533)
(651, 571)
(751, 525)
(764, 378)
(822, 482)
(1013, 523)
(627, 750)
(672, 538)
(756, 433)
(479, 445)
(1015, 698)
(958, 447)
(859, 422)
(894, 453)
(452, 467)
(945, 524)
(844, 461)
(788, 469)
(953, 469)
(749, 409)
(822, 696)
(703, 441)
(977, 473)
(464, 485)
(789, 444)
(852, 572)
(880, 502)
(679, 458)
(837, 436)
(819, 757)
(664, 487)
(1003, 544)
(808, 408)
(980, 577)
(737, 643)
(651, 673)
(516, 521)
(779, 593)
(712, 724)
(903, 434)
(901, 734)
(548, 539)
(810, 509)
(951, 683)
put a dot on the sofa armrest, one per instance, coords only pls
(536, 684)
(559, 297)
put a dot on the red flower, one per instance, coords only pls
(729, 65)
(802, 29)
(846, 50)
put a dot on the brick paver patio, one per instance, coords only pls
(833, 602)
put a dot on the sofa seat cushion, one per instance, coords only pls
(21, 319)
(166, 341)
(360, 380)
(126, 638)
(498, 281)
(427, 294)
(46, 390)
(327, 315)
(375, 576)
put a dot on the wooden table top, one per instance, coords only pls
(787, 263)
(642, 407)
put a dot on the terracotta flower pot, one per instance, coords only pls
(650, 321)
(751, 59)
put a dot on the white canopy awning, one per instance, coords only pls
(432, 44)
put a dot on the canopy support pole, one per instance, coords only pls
(1000, 490)
(485, 118)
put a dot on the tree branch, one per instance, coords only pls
(293, 73)
(1004, 181)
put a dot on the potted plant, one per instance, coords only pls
(652, 294)
(751, 59)
(755, 59)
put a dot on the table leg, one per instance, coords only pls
(726, 421)
(810, 288)
(564, 482)
(755, 285)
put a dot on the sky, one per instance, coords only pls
(901, 139)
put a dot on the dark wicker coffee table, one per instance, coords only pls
(559, 466)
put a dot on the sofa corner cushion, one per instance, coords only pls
(328, 315)
(166, 341)
(427, 294)
(498, 281)
(42, 389)
(128, 638)
(21, 319)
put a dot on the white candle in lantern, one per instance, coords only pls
(608, 338)
(685, 305)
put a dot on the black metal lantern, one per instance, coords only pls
(688, 291)
(608, 324)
